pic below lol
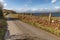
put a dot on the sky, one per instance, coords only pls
(24, 5)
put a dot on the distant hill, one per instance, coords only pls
(6, 12)
(10, 11)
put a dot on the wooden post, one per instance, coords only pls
(18, 16)
(50, 18)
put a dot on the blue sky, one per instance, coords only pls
(30, 4)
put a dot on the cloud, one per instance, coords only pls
(1, 0)
(34, 9)
(57, 7)
(5, 4)
(53, 1)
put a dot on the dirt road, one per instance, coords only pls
(13, 32)
(17, 27)
(34, 32)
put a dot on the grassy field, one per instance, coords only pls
(14, 15)
(3, 28)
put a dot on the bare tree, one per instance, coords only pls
(1, 10)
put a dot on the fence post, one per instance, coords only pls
(50, 18)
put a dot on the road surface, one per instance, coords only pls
(12, 31)
(17, 27)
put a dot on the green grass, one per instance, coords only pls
(2, 33)
(3, 24)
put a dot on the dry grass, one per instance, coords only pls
(42, 22)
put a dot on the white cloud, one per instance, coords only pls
(23, 9)
(57, 7)
(5, 4)
(53, 1)
(34, 9)
(1, 0)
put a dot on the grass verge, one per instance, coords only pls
(3, 28)
(46, 28)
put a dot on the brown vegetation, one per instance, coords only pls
(53, 24)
